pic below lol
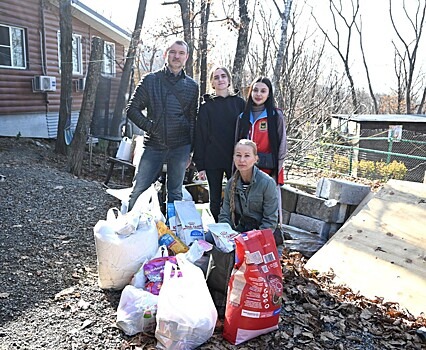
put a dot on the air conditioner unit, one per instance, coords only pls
(80, 84)
(44, 83)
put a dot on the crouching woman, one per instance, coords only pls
(251, 199)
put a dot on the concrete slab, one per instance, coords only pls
(381, 251)
(343, 191)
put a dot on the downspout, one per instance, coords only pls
(43, 39)
(43, 51)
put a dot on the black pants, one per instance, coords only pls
(215, 178)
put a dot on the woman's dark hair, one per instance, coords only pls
(244, 124)
(269, 105)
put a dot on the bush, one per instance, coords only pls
(370, 169)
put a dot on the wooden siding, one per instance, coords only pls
(16, 94)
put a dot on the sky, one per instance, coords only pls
(377, 30)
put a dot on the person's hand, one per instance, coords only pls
(202, 175)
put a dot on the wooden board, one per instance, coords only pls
(381, 251)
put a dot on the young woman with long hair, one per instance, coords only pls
(264, 124)
(215, 136)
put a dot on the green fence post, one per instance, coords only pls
(390, 140)
(351, 155)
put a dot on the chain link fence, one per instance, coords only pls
(374, 155)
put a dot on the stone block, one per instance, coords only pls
(310, 224)
(320, 208)
(286, 217)
(343, 191)
(289, 197)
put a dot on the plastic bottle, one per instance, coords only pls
(168, 238)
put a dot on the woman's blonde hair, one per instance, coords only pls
(242, 142)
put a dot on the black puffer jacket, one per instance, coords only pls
(166, 124)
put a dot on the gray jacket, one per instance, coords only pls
(259, 201)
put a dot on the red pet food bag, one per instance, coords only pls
(255, 288)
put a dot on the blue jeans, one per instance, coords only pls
(149, 169)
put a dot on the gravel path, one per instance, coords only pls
(49, 297)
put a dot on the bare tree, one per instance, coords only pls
(279, 63)
(78, 144)
(410, 47)
(120, 102)
(65, 26)
(187, 20)
(205, 13)
(364, 60)
(342, 46)
(242, 43)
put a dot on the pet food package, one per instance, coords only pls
(255, 288)
(223, 236)
(189, 225)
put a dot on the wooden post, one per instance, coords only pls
(78, 144)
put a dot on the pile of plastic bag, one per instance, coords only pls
(175, 284)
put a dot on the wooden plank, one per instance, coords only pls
(381, 251)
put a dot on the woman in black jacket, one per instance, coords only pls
(215, 135)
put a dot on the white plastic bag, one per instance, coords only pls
(136, 311)
(186, 315)
(119, 256)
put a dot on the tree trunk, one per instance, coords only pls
(281, 54)
(242, 45)
(120, 102)
(187, 35)
(205, 13)
(65, 20)
(78, 144)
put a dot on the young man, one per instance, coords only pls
(171, 100)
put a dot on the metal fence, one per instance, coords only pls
(374, 157)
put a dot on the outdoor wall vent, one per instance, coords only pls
(44, 83)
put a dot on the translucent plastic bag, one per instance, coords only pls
(186, 315)
(136, 311)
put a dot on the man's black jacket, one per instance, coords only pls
(167, 124)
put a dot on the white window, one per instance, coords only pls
(109, 59)
(77, 61)
(12, 47)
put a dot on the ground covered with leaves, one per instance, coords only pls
(50, 299)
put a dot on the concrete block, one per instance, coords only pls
(343, 191)
(310, 224)
(286, 217)
(333, 229)
(289, 197)
(320, 208)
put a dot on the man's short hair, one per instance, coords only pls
(179, 42)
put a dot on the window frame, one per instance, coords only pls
(109, 62)
(13, 52)
(77, 67)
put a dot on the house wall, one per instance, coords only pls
(18, 102)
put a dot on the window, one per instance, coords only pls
(109, 59)
(12, 47)
(77, 62)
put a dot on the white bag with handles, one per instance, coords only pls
(186, 316)
(123, 243)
